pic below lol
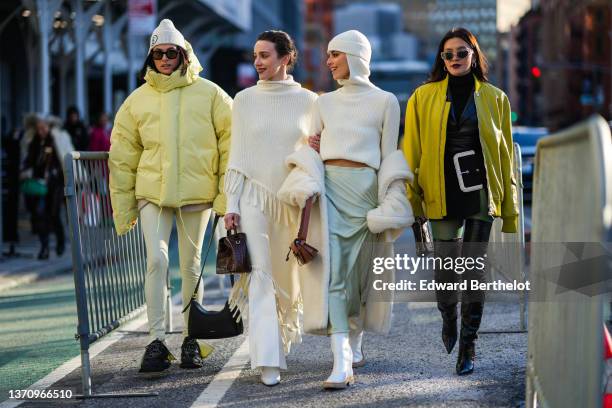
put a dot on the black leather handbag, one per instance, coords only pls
(212, 324)
(233, 254)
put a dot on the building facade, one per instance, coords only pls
(576, 60)
(83, 53)
(318, 31)
(525, 86)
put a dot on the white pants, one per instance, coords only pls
(156, 226)
(265, 343)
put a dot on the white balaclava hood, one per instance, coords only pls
(358, 53)
(166, 33)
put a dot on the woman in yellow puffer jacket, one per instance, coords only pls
(458, 143)
(169, 149)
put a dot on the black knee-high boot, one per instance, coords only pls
(476, 239)
(447, 300)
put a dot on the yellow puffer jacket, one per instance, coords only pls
(424, 143)
(170, 144)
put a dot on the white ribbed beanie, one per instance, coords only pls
(352, 42)
(166, 33)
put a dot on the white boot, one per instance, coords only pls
(355, 339)
(270, 375)
(342, 373)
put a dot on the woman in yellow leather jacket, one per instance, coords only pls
(458, 143)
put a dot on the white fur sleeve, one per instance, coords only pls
(298, 187)
(394, 212)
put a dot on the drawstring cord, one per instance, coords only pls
(185, 229)
(180, 213)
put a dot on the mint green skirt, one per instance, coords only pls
(351, 193)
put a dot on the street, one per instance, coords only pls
(407, 367)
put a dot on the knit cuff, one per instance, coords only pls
(233, 203)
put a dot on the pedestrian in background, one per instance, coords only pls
(27, 135)
(261, 140)
(99, 140)
(77, 129)
(359, 177)
(458, 142)
(11, 167)
(43, 166)
(169, 150)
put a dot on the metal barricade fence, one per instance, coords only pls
(572, 203)
(109, 270)
(507, 251)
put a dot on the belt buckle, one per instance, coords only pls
(462, 186)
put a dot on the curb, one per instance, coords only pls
(17, 277)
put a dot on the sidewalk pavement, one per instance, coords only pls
(25, 267)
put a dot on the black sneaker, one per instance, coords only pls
(191, 354)
(156, 358)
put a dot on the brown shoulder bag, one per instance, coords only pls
(302, 251)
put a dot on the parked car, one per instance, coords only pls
(527, 138)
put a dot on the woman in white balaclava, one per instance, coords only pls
(359, 176)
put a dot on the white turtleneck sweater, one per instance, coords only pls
(359, 121)
(268, 121)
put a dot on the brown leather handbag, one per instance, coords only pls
(232, 254)
(302, 251)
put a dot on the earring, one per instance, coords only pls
(444, 68)
(474, 64)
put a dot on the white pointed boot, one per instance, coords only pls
(342, 373)
(355, 339)
(270, 376)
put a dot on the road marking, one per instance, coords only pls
(98, 347)
(214, 392)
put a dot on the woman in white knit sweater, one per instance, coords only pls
(268, 120)
(356, 131)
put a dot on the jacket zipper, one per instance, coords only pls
(484, 155)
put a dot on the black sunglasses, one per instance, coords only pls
(172, 53)
(448, 55)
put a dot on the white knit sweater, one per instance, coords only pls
(357, 122)
(268, 120)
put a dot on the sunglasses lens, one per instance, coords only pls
(158, 54)
(447, 56)
(463, 53)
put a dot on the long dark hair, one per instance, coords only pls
(283, 43)
(481, 70)
(182, 65)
